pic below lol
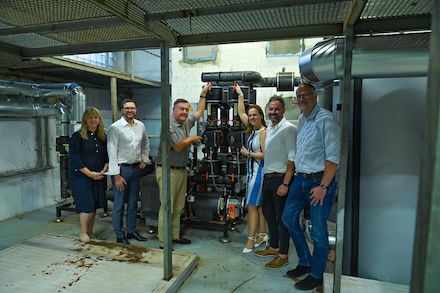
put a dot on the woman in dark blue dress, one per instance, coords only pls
(87, 164)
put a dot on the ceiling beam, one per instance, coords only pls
(10, 49)
(207, 11)
(263, 35)
(64, 26)
(129, 13)
(35, 77)
(400, 24)
(69, 63)
(125, 45)
(140, 44)
(353, 13)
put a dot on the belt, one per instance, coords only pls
(130, 165)
(274, 174)
(174, 167)
(311, 175)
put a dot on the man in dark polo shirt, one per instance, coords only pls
(181, 123)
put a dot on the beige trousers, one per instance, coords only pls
(178, 186)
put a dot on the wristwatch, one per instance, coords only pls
(323, 186)
(286, 184)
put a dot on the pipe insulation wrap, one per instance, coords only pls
(404, 55)
(66, 118)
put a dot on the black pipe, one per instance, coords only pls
(356, 169)
(244, 76)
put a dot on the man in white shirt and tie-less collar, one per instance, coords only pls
(317, 158)
(128, 149)
(279, 169)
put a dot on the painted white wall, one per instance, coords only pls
(186, 77)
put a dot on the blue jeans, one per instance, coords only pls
(130, 195)
(298, 198)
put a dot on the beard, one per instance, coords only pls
(275, 118)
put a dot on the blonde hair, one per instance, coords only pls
(92, 111)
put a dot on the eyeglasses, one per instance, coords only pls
(303, 96)
(129, 108)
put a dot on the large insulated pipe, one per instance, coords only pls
(404, 55)
(66, 120)
(31, 110)
(44, 90)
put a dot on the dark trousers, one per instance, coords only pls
(273, 206)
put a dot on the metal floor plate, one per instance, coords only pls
(50, 263)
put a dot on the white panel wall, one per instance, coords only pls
(186, 77)
(392, 116)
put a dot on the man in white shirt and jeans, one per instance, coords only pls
(128, 150)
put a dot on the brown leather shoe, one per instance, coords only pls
(268, 252)
(276, 263)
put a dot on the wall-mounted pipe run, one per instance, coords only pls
(12, 109)
(66, 118)
(404, 55)
(44, 90)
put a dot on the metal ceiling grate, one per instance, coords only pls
(30, 41)
(380, 9)
(153, 6)
(33, 28)
(261, 19)
(23, 13)
(105, 34)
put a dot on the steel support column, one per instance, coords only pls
(114, 98)
(346, 97)
(426, 256)
(165, 146)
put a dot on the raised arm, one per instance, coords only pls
(202, 101)
(241, 109)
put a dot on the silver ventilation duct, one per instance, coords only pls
(405, 55)
(66, 119)
(32, 110)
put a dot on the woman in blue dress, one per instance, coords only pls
(88, 160)
(256, 131)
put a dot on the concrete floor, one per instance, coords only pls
(221, 267)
